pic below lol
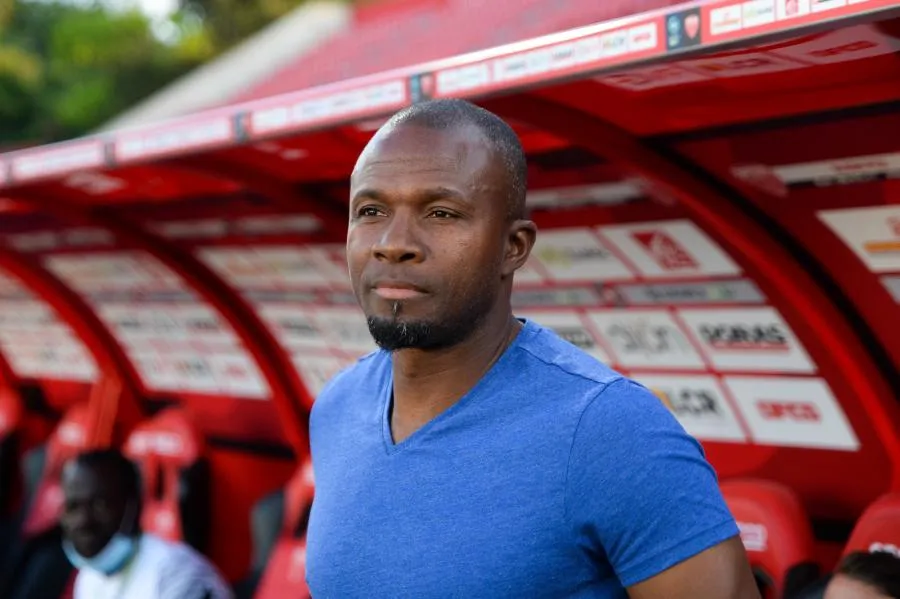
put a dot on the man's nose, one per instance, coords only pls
(399, 241)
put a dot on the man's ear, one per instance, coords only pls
(520, 240)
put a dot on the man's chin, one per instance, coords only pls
(88, 550)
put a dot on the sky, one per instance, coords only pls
(155, 9)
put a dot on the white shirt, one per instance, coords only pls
(159, 570)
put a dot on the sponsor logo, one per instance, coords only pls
(758, 12)
(646, 338)
(667, 252)
(886, 246)
(192, 367)
(567, 256)
(683, 29)
(725, 19)
(744, 337)
(689, 402)
(576, 336)
(754, 536)
(794, 411)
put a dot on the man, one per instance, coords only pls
(103, 540)
(476, 455)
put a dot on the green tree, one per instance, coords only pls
(67, 67)
(228, 22)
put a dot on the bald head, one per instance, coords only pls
(452, 115)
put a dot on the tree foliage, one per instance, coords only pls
(67, 67)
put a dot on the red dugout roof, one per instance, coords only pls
(715, 185)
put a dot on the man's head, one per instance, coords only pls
(863, 575)
(437, 229)
(102, 497)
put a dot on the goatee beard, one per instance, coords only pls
(393, 333)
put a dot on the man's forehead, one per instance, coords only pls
(88, 479)
(457, 149)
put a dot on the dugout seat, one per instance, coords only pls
(170, 453)
(776, 533)
(285, 573)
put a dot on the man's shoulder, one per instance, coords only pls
(360, 377)
(552, 357)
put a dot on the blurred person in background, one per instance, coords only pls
(103, 539)
(864, 575)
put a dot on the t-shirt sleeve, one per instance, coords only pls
(639, 491)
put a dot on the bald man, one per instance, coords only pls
(475, 454)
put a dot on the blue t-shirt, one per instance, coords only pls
(553, 477)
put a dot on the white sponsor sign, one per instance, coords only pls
(646, 339)
(748, 339)
(792, 412)
(570, 327)
(838, 170)
(754, 536)
(725, 19)
(758, 12)
(182, 345)
(577, 255)
(271, 267)
(666, 249)
(295, 326)
(872, 233)
(56, 159)
(172, 138)
(319, 107)
(35, 342)
(347, 327)
(699, 404)
(43, 241)
(99, 272)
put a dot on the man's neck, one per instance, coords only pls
(428, 382)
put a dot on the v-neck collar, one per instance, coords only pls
(387, 396)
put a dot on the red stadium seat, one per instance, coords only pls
(35, 565)
(71, 437)
(285, 575)
(170, 453)
(878, 529)
(11, 414)
(776, 533)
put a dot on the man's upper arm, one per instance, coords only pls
(641, 495)
(721, 572)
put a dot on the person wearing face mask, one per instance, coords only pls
(103, 540)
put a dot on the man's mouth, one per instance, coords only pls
(397, 290)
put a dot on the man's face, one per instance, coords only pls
(94, 507)
(428, 244)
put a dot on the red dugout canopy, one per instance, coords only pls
(715, 185)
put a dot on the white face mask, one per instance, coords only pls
(115, 555)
